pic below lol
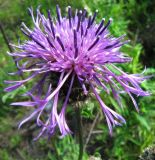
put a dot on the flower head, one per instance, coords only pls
(71, 49)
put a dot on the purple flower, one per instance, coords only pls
(65, 50)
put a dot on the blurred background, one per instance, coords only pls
(135, 18)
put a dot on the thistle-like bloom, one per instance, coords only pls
(69, 49)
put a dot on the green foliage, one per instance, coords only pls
(127, 141)
(87, 109)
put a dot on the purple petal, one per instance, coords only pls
(13, 87)
(27, 104)
(64, 129)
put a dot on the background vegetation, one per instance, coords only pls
(135, 18)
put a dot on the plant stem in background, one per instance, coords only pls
(8, 44)
(79, 126)
(91, 130)
(5, 38)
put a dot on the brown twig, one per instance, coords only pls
(97, 132)
(20, 154)
(91, 130)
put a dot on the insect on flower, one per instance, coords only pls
(67, 50)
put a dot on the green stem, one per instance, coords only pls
(55, 149)
(80, 135)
